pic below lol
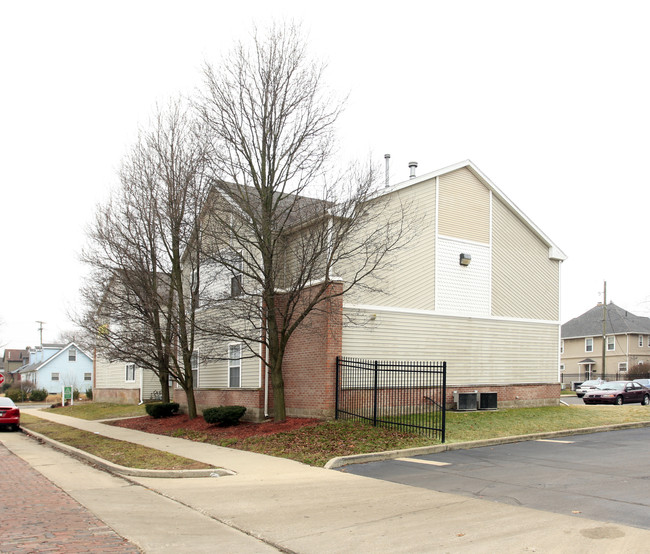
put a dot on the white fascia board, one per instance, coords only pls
(554, 252)
(443, 313)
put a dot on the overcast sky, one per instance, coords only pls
(549, 99)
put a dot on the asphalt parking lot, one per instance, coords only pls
(602, 476)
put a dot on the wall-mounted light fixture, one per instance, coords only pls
(465, 259)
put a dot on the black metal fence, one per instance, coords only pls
(406, 395)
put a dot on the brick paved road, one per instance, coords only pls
(36, 516)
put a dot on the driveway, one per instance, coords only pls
(602, 476)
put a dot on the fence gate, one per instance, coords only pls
(406, 395)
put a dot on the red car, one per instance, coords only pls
(9, 414)
(618, 392)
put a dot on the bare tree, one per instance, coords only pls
(279, 226)
(139, 301)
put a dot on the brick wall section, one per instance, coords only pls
(251, 399)
(309, 367)
(516, 395)
(117, 396)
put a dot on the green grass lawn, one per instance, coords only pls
(118, 452)
(317, 444)
(100, 410)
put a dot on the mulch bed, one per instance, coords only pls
(244, 429)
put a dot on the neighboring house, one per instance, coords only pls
(12, 359)
(53, 366)
(124, 383)
(478, 288)
(627, 343)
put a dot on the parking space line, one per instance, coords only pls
(551, 440)
(418, 461)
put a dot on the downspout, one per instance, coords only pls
(141, 385)
(266, 380)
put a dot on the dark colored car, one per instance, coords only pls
(618, 392)
(9, 414)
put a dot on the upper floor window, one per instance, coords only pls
(562, 347)
(129, 374)
(234, 365)
(72, 355)
(236, 287)
(589, 345)
(640, 340)
(55, 376)
(610, 344)
(195, 368)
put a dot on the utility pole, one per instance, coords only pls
(604, 327)
(40, 330)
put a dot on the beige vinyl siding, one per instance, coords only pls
(409, 281)
(214, 374)
(477, 351)
(110, 375)
(464, 207)
(150, 382)
(525, 282)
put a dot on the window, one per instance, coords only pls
(236, 288)
(130, 373)
(195, 368)
(622, 366)
(234, 365)
(88, 376)
(610, 344)
(55, 376)
(589, 345)
(72, 354)
(640, 340)
(561, 367)
(562, 347)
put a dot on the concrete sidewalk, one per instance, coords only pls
(298, 508)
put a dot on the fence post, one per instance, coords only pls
(374, 410)
(444, 399)
(338, 383)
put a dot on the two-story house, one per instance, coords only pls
(627, 343)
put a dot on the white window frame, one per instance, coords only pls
(641, 341)
(234, 364)
(611, 342)
(129, 368)
(589, 344)
(622, 366)
(90, 376)
(195, 362)
(55, 376)
(72, 354)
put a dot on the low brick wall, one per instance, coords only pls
(117, 396)
(252, 399)
(517, 395)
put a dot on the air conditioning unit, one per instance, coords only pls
(487, 400)
(465, 401)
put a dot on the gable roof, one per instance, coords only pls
(554, 252)
(619, 321)
(15, 354)
(36, 366)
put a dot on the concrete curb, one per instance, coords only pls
(435, 449)
(129, 471)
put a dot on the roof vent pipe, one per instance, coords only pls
(412, 167)
(387, 158)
